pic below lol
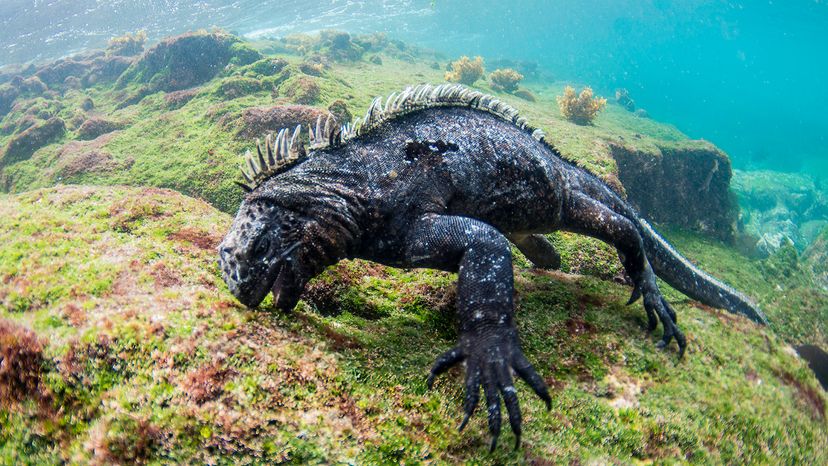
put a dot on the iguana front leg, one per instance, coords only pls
(585, 215)
(485, 288)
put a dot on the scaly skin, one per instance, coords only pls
(444, 188)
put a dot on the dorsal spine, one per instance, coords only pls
(283, 152)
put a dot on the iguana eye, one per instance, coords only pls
(263, 246)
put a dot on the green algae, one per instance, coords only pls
(150, 359)
(161, 365)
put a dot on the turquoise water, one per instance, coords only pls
(749, 76)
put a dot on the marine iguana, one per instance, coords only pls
(444, 177)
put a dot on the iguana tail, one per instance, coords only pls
(682, 275)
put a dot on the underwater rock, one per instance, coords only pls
(525, 94)
(237, 86)
(258, 121)
(817, 360)
(339, 109)
(178, 99)
(80, 157)
(312, 68)
(777, 206)
(72, 82)
(94, 127)
(376, 59)
(374, 42)
(268, 66)
(337, 45)
(816, 259)
(301, 90)
(106, 69)
(683, 186)
(127, 45)
(8, 94)
(32, 86)
(87, 104)
(187, 60)
(26, 143)
(622, 96)
(55, 73)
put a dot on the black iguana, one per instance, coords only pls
(444, 177)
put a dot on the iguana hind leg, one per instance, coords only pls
(485, 308)
(587, 216)
(538, 250)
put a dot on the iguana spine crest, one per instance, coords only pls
(279, 153)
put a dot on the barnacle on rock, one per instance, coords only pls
(465, 70)
(580, 108)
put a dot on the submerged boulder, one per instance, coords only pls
(780, 207)
(187, 60)
(257, 121)
(94, 127)
(684, 185)
(26, 143)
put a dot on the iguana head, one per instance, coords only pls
(267, 249)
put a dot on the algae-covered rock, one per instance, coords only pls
(301, 90)
(94, 127)
(779, 207)
(816, 258)
(26, 143)
(257, 121)
(684, 186)
(136, 349)
(178, 99)
(55, 73)
(237, 86)
(187, 60)
(339, 109)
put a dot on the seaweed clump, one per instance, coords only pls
(580, 108)
(505, 80)
(127, 45)
(465, 70)
(21, 360)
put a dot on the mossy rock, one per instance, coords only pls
(26, 143)
(94, 127)
(301, 90)
(146, 357)
(187, 60)
(237, 86)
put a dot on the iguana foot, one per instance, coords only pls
(488, 360)
(656, 305)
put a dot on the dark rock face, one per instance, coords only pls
(818, 361)
(686, 187)
(26, 143)
(94, 127)
(258, 121)
(188, 60)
